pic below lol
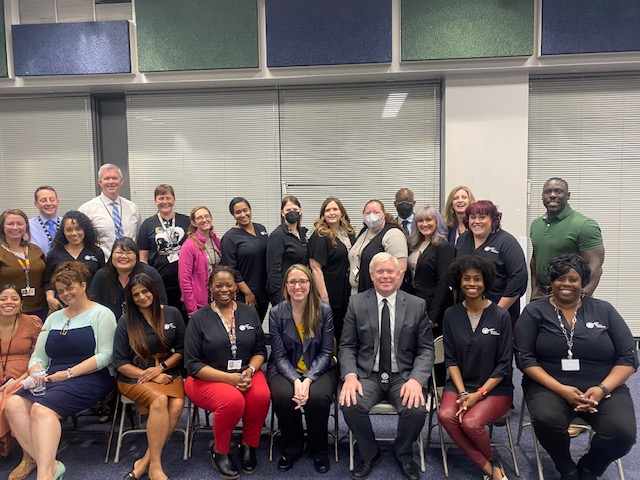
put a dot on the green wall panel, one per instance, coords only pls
(450, 29)
(176, 35)
(3, 45)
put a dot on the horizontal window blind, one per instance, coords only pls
(210, 147)
(360, 142)
(46, 141)
(586, 130)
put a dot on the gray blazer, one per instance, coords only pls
(413, 339)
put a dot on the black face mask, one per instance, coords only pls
(292, 217)
(405, 209)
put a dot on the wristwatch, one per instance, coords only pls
(69, 374)
(606, 391)
(163, 365)
(253, 369)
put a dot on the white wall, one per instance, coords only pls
(485, 134)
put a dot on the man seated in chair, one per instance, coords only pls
(386, 353)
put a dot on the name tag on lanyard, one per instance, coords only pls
(570, 365)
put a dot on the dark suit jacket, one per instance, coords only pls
(413, 339)
(286, 347)
(431, 279)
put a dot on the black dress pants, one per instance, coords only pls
(321, 394)
(614, 424)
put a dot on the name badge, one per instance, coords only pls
(28, 292)
(234, 365)
(172, 257)
(570, 365)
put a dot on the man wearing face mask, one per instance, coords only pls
(380, 234)
(404, 204)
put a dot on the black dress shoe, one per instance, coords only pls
(225, 465)
(248, 459)
(321, 463)
(363, 469)
(285, 462)
(410, 470)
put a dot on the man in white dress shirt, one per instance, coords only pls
(44, 227)
(113, 216)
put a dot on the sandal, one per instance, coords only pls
(495, 464)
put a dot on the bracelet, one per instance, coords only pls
(163, 366)
(483, 391)
(463, 394)
(69, 374)
(607, 392)
(253, 369)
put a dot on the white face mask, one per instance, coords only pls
(372, 220)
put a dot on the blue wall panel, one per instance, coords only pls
(590, 26)
(328, 32)
(71, 48)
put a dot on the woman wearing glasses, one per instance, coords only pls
(301, 372)
(200, 253)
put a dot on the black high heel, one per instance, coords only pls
(131, 475)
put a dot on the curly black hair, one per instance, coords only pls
(84, 222)
(219, 268)
(469, 262)
(561, 264)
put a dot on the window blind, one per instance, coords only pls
(585, 130)
(360, 142)
(46, 141)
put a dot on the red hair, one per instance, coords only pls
(484, 207)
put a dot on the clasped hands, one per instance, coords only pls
(243, 381)
(582, 402)
(155, 374)
(301, 392)
(411, 392)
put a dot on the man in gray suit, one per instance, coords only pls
(386, 353)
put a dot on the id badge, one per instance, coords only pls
(570, 365)
(28, 292)
(234, 365)
(172, 257)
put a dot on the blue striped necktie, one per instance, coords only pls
(117, 221)
(51, 227)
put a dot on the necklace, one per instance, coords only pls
(6, 360)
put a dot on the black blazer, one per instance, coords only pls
(286, 347)
(431, 279)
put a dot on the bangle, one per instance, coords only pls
(69, 374)
(483, 391)
(463, 394)
(607, 392)
(253, 369)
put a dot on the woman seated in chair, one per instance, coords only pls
(147, 353)
(576, 353)
(224, 349)
(75, 345)
(301, 370)
(478, 348)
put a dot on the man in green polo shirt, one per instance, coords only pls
(562, 230)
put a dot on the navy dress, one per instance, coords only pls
(90, 333)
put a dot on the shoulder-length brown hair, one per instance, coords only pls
(388, 218)
(191, 231)
(322, 227)
(311, 314)
(135, 320)
(14, 211)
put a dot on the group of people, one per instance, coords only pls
(175, 310)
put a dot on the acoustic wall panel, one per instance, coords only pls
(3, 46)
(71, 48)
(590, 26)
(328, 32)
(453, 29)
(196, 34)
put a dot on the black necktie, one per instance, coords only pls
(384, 367)
(405, 225)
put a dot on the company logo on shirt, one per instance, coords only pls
(491, 249)
(595, 325)
(167, 326)
(490, 331)
(246, 326)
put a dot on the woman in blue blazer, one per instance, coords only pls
(301, 373)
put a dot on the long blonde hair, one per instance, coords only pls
(311, 314)
(324, 230)
(450, 217)
(191, 231)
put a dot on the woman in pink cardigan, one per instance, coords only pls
(199, 254)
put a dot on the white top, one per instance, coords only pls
(391, 300)
(98, 209)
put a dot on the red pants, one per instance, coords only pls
(471, 434)
(229, 405)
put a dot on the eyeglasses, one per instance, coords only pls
(122, 253)
(199, 218)
(303, 282)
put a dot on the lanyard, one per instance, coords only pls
(229, 327)
(45, 229)
(568, 338)
(6, 360)
(169, 231)
(23, 260)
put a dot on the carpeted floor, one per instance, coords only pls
(84, 455)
